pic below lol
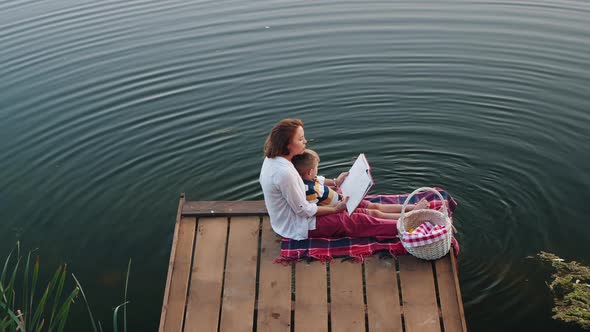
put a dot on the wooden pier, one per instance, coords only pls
(222, 277)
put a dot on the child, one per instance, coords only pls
(319, 189)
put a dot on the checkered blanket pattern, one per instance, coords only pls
(424, 234)
(357, 249)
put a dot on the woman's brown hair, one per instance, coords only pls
(277, 142)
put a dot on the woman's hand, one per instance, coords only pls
(341, 206)
(340, 179)
(325, 210)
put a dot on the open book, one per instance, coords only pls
(358, 183)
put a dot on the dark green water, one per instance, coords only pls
(110, 109)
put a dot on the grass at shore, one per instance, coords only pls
(25, 306)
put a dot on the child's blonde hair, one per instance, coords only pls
(305, 161)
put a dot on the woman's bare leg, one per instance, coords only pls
(383, 215)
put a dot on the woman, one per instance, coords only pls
(291, 215)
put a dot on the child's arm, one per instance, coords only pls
(336, 182)
(326, 182)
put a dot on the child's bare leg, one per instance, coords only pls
(383, 215)
(397, 208)
(388, 208)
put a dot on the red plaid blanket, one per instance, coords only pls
(357, 249)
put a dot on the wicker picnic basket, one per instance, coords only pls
(415, 218)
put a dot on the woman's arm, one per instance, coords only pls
(291, 189)
(295, 196)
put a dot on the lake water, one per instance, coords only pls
(110, 109)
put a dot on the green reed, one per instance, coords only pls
(22, 310)
(96, 325)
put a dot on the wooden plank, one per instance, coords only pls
(274, 294)
(458, 288)
(224, 208)
(175, 308)
(311, 297)
(455, 270)
(239, 288)
(418, 295)
(207, 275)
(449, 302)
(383, 307)
(171, 262)
(346, 294)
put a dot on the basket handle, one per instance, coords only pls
(445, 212)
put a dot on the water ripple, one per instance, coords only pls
(111, 109)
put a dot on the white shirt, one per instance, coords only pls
(291, 215)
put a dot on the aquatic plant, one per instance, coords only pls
(570, 288)
(20, 308)
(96, 325)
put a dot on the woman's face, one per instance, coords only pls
(298, 142)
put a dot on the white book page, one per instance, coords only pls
(357, 183)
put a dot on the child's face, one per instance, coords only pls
(314, 171)
(311, 173)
